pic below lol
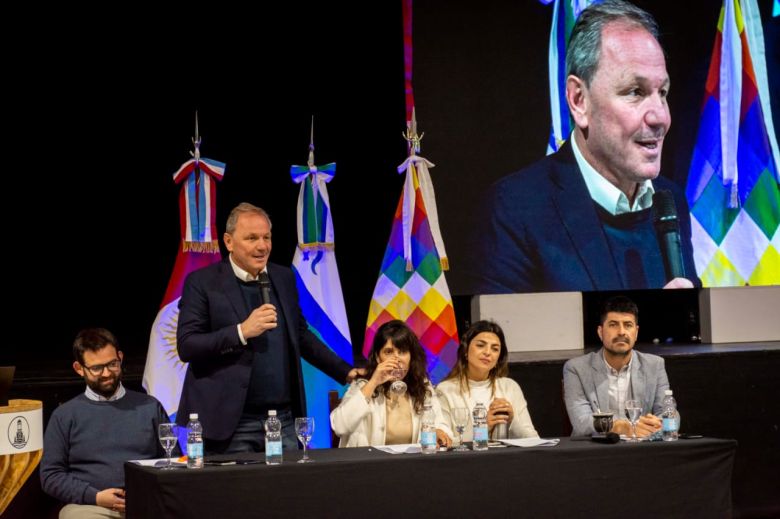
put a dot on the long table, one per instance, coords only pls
(687, 478)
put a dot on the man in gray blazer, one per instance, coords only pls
(605, 379)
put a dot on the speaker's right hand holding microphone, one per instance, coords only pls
(260, 320)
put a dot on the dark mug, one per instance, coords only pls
(602, 421)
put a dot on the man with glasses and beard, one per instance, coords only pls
(89, 438)
(604, 380)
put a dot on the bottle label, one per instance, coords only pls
(480, 434)
(670, 424)
(194, 450)
(428, 438)
(273, 448)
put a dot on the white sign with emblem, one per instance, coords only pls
(21, 431)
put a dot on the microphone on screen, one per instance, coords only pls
(265, 288)
(667, 229)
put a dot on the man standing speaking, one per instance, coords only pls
(242, 332)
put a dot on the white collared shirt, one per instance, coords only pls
(604, 193)
(243, 275)
(92, 395)
(619, 386)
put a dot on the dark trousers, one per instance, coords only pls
(249, 435)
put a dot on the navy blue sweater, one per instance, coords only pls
(634, 248)
(87, 442)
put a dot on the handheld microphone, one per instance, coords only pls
(265, 288)
(667, 230)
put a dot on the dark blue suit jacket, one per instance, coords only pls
(218, 375)
(542, 233)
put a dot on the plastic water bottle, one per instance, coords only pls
(273, 439)
(670, 417)
(194, 443)
(479, 419)
(428, 429)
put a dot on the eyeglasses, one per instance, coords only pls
(97, 369)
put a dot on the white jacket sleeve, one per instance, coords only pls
(442, 420)
(521, 426)
(348, 416)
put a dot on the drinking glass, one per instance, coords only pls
(398, 387)
(167, 434)
(460, 417)
(633, 412)
(304, 428)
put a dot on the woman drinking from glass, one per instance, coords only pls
(371, 413)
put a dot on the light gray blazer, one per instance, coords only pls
(586, 387)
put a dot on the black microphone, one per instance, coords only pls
(667, 230)
(265, 287)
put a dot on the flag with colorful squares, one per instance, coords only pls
(733, 178)
(411, 285)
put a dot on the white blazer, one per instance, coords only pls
(450, 397)
(361, 422)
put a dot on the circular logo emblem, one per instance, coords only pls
(18, 432)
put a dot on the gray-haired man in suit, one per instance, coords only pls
(606, 379)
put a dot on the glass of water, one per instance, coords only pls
(304, 429)
(633, 412)
(398, 387)
(167, 434)
(460, 418)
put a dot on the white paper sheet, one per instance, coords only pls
(159, 462)
(403, 448)
(532, 442)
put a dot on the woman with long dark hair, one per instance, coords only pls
(371, 414)
(480, 375)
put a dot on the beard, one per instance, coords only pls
(611, 347)
(105, 386)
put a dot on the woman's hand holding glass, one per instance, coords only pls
(393, 369)
(398, 387)
(382, 373)
(389, 369)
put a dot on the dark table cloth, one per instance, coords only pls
(687, 478)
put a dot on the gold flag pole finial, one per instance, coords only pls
(411, 134)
